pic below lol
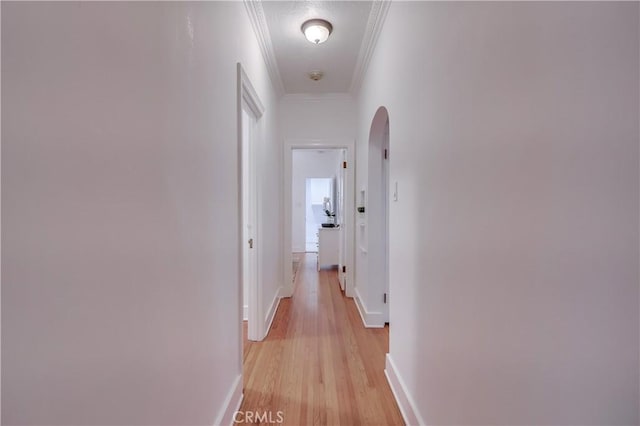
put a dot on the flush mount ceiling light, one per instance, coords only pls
(317, 30)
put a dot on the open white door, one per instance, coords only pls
(249, 112)
(249, 221)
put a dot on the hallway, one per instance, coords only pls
(319, 365)
(487, 187)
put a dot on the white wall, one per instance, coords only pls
(514, 242)
(120, 211)
(330, 116)
(307, 163)
(319, 189)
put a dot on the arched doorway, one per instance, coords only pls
(378, 206)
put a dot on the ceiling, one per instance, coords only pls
(340, 58)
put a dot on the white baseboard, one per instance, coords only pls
(231, 404)
(406, 403)
(348, 291)
(245, 313)
(286, 290)
(268, 320)
(340, 279)
(369, 319)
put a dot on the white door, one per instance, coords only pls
(249, 221)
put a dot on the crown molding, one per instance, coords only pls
(378, 14)
(316, 97)
(259, 24)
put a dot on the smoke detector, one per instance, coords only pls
(316, 75)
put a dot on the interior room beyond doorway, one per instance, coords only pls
(319, 199)
(316, 189)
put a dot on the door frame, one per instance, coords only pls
(349, 206)
(386, 197)
(248, 100)
(375, 307)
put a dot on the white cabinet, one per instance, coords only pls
(328, 246)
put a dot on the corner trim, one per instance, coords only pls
(261, 30)
(406, 403)
(247, 93)
(369, 319)
(377, 17)
(231, 403)
(268, 320)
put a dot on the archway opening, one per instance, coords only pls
(378, 212)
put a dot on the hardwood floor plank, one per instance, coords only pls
(319, 365)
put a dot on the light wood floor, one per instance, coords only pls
(319, 365)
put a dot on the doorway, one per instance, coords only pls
(379, 195)
(386, 154)
(250, 111)
(249, 217)
(305, 160)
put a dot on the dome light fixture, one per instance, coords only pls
(317, 30)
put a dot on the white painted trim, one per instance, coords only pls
(245, 313)
(377, 204)
(349, 203)
(240, 213)
(316, 97)
(405, 401)
(231, 403)
(361, 309)
(247, 95)
(261, 30)
(369, 319)
(275, 303)
(372, 31)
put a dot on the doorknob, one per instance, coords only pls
(250, 242)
